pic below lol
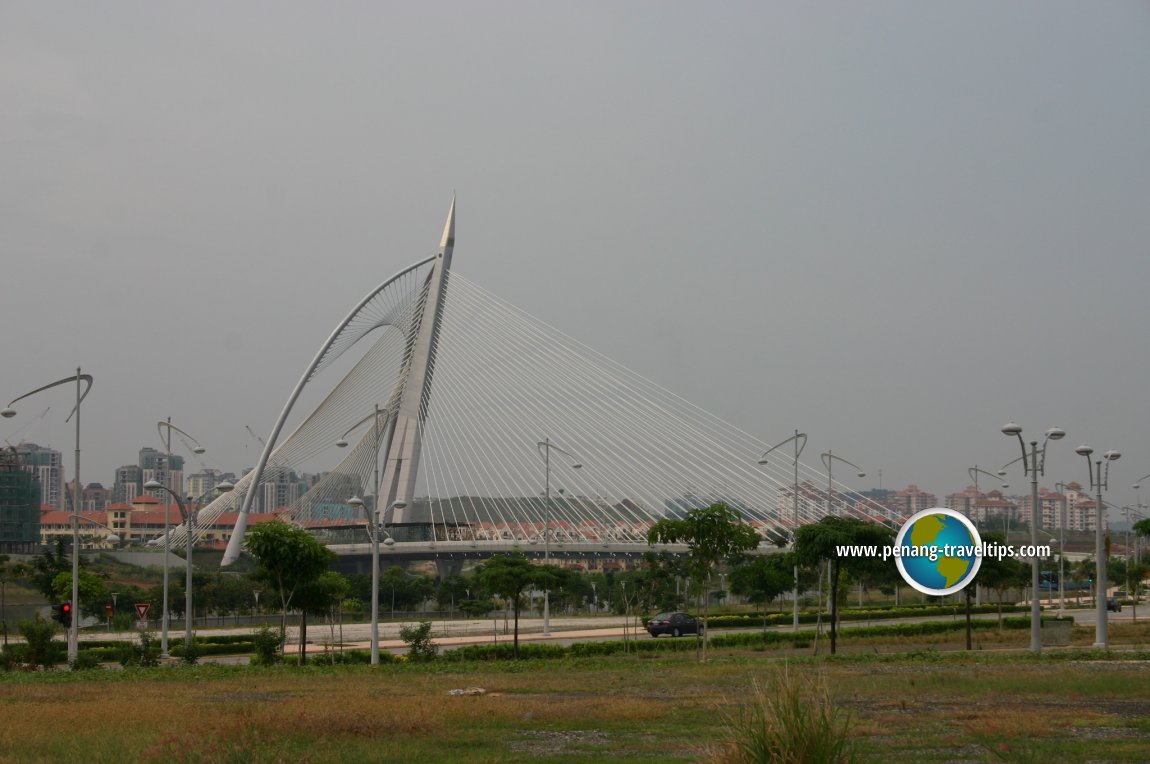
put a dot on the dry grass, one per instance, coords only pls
(968, 707)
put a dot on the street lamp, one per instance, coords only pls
(1063, 490)
(829, 462)
(372, 526)
(165, 427)
(1099, 481)
(8, 413)
(189, 537)
(111, 538)
(974, 472)
(799, 446)
(546, 447)
(373, 534)
(1034, 466)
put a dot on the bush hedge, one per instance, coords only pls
(749, 620)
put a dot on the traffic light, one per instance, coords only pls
(62, 614)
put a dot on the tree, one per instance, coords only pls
(822, 541)
(93, 592)
(9, 571)
(762, 579)
(46, 566)
(712, 534)
(509, 575)
(1136, 573)
(1142, 527)
(321, 597)
(287, 558)
(1001, 574)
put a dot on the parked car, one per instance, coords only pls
(1113, 605)
(675, 624)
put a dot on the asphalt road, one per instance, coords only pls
(564, 630)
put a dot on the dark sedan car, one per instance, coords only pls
(1113, 605)
(675, 624)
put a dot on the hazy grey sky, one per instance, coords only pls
(894, 225)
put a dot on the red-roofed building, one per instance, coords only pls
(136, 523)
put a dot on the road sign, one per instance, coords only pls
(142, 610)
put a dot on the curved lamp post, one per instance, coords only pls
(829, 458)
(1034, 466)
(112, 537)
(189, 536)
(974, 472)
(1099, 481)
(165, 427)
(545, 446)
(78, 501)
(800, 441)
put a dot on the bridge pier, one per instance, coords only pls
(446, 568)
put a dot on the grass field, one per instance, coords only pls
(924, 706)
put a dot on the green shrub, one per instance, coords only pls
(39, 649)
(420, 647)
(143, 653)
(85, 660)
(267, 643)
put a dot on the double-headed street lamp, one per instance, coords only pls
(545, 446)
(1099, 481)
(189, 536)
(373, 531)
(1034, 466)
(800, 441)
(78, 501)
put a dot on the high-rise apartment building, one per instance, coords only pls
(154, 466)
(19, 506)
(48, 467)
(200, 485)
(128, 484)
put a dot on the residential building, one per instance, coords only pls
(19, 506)
(48, 467)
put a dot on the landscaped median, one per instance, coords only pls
(750, 620)
(752, 640)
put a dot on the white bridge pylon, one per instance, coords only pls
(465, 386)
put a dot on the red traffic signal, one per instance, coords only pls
(62, 613)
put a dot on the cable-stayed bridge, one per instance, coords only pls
(469, 427)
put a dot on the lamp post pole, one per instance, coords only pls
(77, 501)
(189, 537)
(1035, 466)
(1099, 480)
(373, 522)
(165, 427)
(829, 462)
(1062, 519)
(974, 472)
(800, 441)
(546, 446)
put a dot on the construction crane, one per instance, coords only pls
(253, 434)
